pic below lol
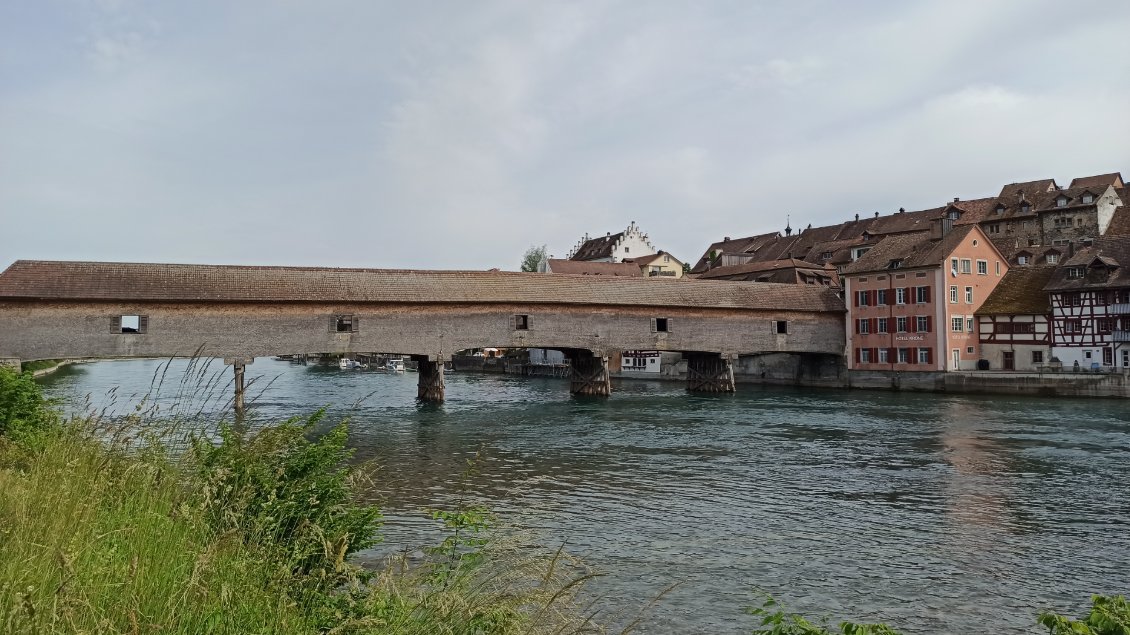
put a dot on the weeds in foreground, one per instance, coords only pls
(109, 529)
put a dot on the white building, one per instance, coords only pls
(630, 243)
(1090, 303)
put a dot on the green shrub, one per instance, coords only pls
(24, 412)
(1110, 615)
(290, 496)
(775, 620)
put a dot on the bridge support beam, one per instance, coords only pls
(239, 368)
(589, 374)
(430, 386)
(709, 373)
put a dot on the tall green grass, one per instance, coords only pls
(115, 527)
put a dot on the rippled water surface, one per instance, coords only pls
(937, 514)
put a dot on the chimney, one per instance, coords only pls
(857, 218)
(876, 214)
(725, 239)
(902, 210)
(956, 200)
(1070, 249)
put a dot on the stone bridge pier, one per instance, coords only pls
(430, 386)
(588, 376)
(710, 372)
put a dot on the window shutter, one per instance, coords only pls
(116, 324)
(926, 291)
(857, 356)
(856, 298)
(142, 323)
(333, 324)
(858, 328)
(670, 325)
(874, 355)
(929, 323)
(653, 328)
(529, 322)
(514, 322)
(914, 324)
(874, 325)
(356, 322)
(893, 354)
(874, 298)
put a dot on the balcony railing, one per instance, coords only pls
(1121, 336)
(661, 273)
(1120, 307)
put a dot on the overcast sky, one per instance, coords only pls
(457, 134)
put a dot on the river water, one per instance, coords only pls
(934, 513)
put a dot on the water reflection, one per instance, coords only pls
(937, 513)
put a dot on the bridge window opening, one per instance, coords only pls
(520, 322)
(130, 324)
(782, 327)
(345, 323)
(660, 325)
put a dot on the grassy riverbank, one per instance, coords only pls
(109, 530)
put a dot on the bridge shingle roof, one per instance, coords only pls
(111, 281)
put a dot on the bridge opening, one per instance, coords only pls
(345, 323)
(521, 322)
(661, 325)
(782, 327)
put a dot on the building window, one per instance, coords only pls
(921, 295)
(1087, 198)
(900, 295)
(130, 324)
(998, 267)
(1061, 201)
(626, 249)
(953, 294)
(345, 323)
(957, 324)
(660, 325)
(1106, 325)
(969, 350)
(1022, 260)
(666, 258)
(861, 298)
(1072, 326)
(995, 228)
(1075, 272)
(895, 263)
(900, 324)
(521, 323)
(782, 327)
(1052, 258)
(922, 324)
(953, 264)
(920, 274)
(884, 355)
(881, 326)
(904, 355)
(865, 355)
(966, 265)
(882, 297)
(969, 295)
(1108, 356)
(1071, 299)
(1037, 357)
(923, 356)
(982, 267)
(969, 324)
(863, 326)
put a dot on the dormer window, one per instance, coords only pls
(1075, 272)
(895, 263)
(1087, 198)
(826, 255)
(1025, 208)
(1052, 258)
(1061, 201)
(1022, 260)
(1000, 209)
(953, 214)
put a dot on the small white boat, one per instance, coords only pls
(395, 365)
(348, 364)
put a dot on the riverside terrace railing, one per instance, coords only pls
(54, 310)
(1120, 336)
(1120, 307)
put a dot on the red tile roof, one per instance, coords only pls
(584, 268)
(1099, 180)
(1020, 292)
(108, 281)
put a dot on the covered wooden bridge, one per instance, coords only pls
(51, 310)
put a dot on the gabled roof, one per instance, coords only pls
(585, 268)
(1099, 180)
(913, 250)
(1106, 253)
(1020, 292)
(600, 247)
(643, 261)
(137, 282)
(734, 245)
(1120, 222)
(758, 267)
(1074, 196)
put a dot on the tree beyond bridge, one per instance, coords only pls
(51, 309)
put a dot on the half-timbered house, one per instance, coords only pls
(1013, 321)
(1090, 306)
